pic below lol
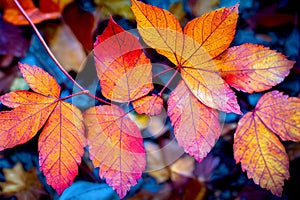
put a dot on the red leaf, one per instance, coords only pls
(116, 146)
(124, 71)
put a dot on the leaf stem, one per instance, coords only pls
(162, 72)
(75, 94)
(53, 57)
(169, 81)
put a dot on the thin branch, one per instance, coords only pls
(52, 55)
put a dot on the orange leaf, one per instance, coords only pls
(82, 23)
(124, 71)
(196, 126)
(39, 80)
(253, 68)
(150, 105)
(255, 143)
(159, 29)
(116, 146)
(261, 154)
(13, 15)
(215, 30)
(61, 141)
(21, 124)
(192, 50)
(280, 114)
(24, 97)
(61, 146)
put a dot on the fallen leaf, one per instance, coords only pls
(184, 166)
(253, 68)
(167, 161)
(82, 24)
(156, 166)
(192, 50)
(67, 49)
(116, 146)
(13, 15)
(23, 184)
(196, 126)
(150, 105)
(61, 139)
(152, 126)
(53, 5)
(115, 7)
(124, 71)
(256, 145)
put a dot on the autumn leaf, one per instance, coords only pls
(23, 184)
(13, 15)
(196, 126)
(256, 145)
(66, 48)
(82, 24)
(40, 81)
(61, 146)
(54, 5)
(61, 140)
(22, 123)
(150, 105)
(281, 114)
(124, 71)
(116, 146)
(193, 49)
(114, 7)
(253, 68)
(167, 161)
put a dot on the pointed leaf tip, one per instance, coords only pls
(196, 126)
(256, 144)
(253, 68)
(124, 71)
(39, 80)
(116, 146)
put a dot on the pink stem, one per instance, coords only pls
(169, 81)
(162, 72)
(53, 57)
